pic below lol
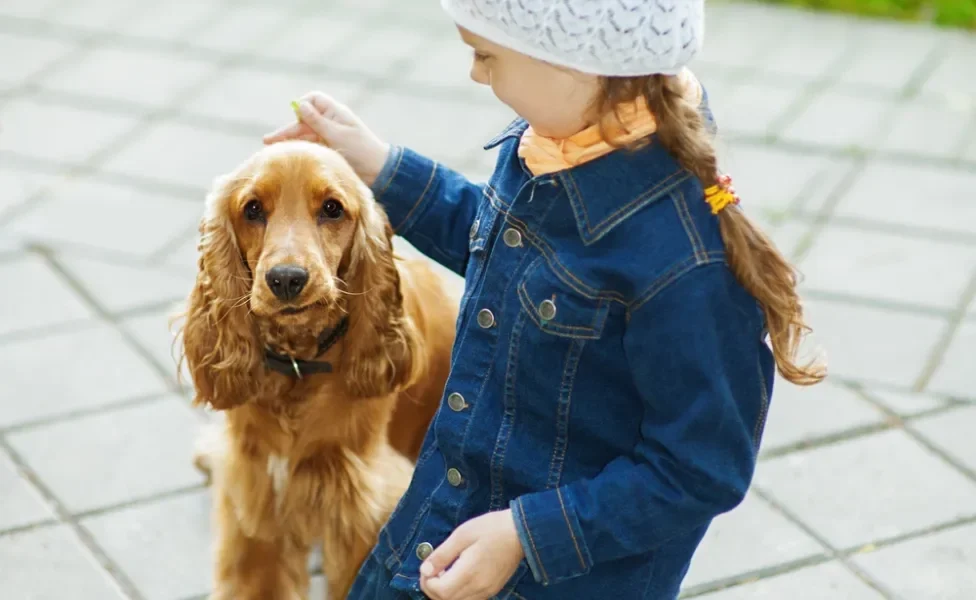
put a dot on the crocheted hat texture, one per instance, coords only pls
(600, 37)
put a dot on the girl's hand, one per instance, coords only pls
(327, 121)
(476, 561)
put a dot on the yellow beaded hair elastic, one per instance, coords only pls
(721, 195)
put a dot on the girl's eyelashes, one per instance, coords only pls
(480, 56)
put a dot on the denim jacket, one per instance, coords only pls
(610, 378)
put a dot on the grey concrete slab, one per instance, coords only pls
(853, 493)
(838, 120)
(893, 192)
(954, 375)
(36, 297)
(952, 432)
(115, 456)
(732, 547)
(164, 547)
(261, 98)
(240, 27)
(888, 54)
(951, 76)
(871, 264)
(148, 77)
(312, 38)
(800, 414)
(20, 503)
(172, 20)
(857, 343)
(934, 567)
(90, 16)
(42, 564)
(181, 153)
(19, 185)
(927, 128)
(94, 214)
(820, 582)
(125, 287)
(905, 404)
(90, 131)
(93, 365)
(816, 45)
(27, 9)
(157, 335)
(753, 107)
(33, 55)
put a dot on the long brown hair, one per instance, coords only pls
(753, 258)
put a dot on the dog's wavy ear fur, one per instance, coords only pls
(219, 337)
(382, 350)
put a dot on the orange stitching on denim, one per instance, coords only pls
(689, 225)
(569, 526)
(528, 532)
(396, 169)
(673, 274)
(615, 218)
(433, 173)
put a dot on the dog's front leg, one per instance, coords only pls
(252, 569)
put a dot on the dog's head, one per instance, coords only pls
(291, 242)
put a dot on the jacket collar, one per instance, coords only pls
(606, 191)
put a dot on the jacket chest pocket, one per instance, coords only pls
(556, 308)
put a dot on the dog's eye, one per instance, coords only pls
(331, 210)
(253, 211)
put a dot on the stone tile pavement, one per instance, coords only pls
(854, 142)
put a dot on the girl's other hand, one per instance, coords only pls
(327, 121)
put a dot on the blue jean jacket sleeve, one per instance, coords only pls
(695, 354)
(430, 205)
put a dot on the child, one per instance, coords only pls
(611, 374)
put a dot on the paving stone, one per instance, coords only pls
(872, 264)
(94, 15)
(45, 302)
(376, 50)
(812, 50)
(893, 192)
(444, 63)
(155, 334)
(147, 77)
(888, 54)
(132, 452)
(853, 493)
(801, 178)
(173, 152)
(953, 75)
(19, 185)
(952, 432)
(260, 98)
(799, 414)
(858, 346)
(242, 26)
(731, 546)
(87, 213)
(753, 107)
(28, 9)
(172, 20)
(184, 257)
(905, 404)
(95, 367)
(838, 120)
(955, 374)
(828, 580)
(424, 123)
(312, 39)
(40, 564)
(739, 37)
(33, 55)
(20, 503)
(163, 546)
(938, 566)
(120, 287)
(90, 131)
(453, 281)
(931, 128)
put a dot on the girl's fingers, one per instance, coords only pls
(286, 132)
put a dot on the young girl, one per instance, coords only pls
(611, 374)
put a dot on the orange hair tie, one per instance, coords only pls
(721, 194)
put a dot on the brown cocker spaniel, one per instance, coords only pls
(328, 356)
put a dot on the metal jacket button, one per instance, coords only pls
(512, 238)
(547, 310)
(456, 402)
(423, 550)
(485, 318)
(454, 477)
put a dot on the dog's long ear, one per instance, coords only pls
(381, 351)
(219, 338)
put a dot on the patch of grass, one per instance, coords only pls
(951, 13)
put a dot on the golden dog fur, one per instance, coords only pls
(326, 457)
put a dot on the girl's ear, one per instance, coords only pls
(219, 340)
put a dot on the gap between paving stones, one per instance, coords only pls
(949, 333)
(64, 516)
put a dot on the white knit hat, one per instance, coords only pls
(600, 37)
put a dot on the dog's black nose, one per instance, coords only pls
(286, 281)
